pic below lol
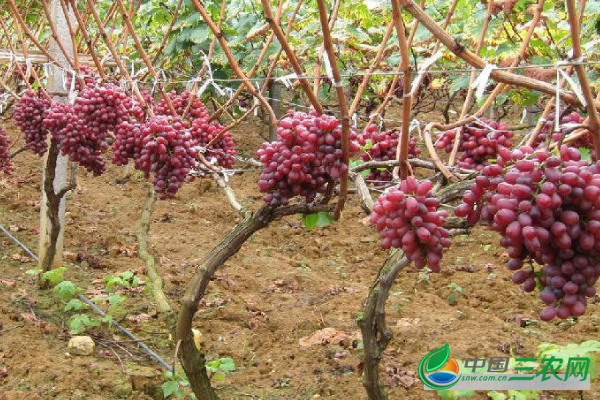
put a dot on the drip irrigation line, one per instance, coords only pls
(94, 307)
(18, 243)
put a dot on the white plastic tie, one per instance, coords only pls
(328, 69)
(72, 86)
(576, 88)
(424, 67)
(523, 115)
(286, 80)
(416, 124)
(482, 80)
(354, 120)
(210, 80)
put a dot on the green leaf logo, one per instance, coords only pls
(434, 360)
(437, 358)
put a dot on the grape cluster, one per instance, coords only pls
(223, 150)
(548, 131)
(180, 102)
(28, 115)
(5, 160)
(546, 209)
(74, 138)
(478, 143)
(382, 146)
(168, 151)
(306, 156)
(81, 129)
(100, 108)
(407, 218)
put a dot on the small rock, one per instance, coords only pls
(81, 346)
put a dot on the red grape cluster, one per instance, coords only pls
(223, 150)
(100, 108)
(306, 156)
(382, 146)
(74, 139)
(180, 102)
(5, 160)
(478, 143)
(548, 131)
(167, 150)
(81, 129)
(28, 115)
(407, 218)
(547, 210)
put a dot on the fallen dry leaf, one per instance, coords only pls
(401, 377)
(284, 286)
(139, 318)
(328, 335)
(337, 289)
(8, 283)
(407, 322)
(20, 258)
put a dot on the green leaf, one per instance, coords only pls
(199, 35)
(115, 300)
(169, 388)
(356, 163)
(65, 290)
(319, 219)
(75, 305)
(127, 275)
(437, 358)
(227, 365)
(460, 83)
(54, 276)
(33, 272)
(218, 376)
(585, 155)
(368, 145)
(455, 394)
(493, 395)
(523, 394)
(80, 322)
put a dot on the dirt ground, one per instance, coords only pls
(286, 283)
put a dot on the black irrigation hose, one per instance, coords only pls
(94, 307)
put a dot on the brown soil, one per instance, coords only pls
(286, 283)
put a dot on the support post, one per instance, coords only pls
(52, 207)
(275, 101)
